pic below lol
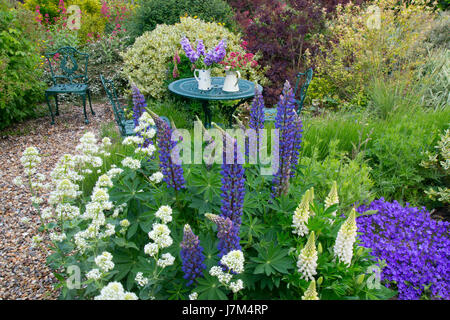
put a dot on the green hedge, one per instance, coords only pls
(20, 84)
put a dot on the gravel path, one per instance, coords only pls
(23, 272)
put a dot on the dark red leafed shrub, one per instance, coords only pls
(280, 30)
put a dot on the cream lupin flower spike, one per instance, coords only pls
(301, 214)
(343, 248)
(311, 293)
(307, 260)
(332, 197)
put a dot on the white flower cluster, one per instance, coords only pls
(132, 140)
(151, 249)
(94, 274)
(104, 261)
(234, 260)
(302, 213)
(147, 151)
(307, 260)
(131, 163)
(30, 160)
(343, 248)
(57, 237)
(156, 177)
(140, 279)
(164, 213)
(115, 291)
(166, 260)
(146, 126)
(193, 296)
(160, 234)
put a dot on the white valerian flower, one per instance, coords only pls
(65, 190)
(193, 296)
(128, 141)
(30, 159)
(46, 213)
(164, 213)
(332, 197)
(301, 214)
(343, 248)
(114, 172)
(110, 230)
(140, 279)
(125, 223)
(119, 209)
(100, 195)
(234, 260)
(104, 261)
(161, 235)
(55, 237)
(106, 142)
(131, 163)
(151, 249)
(236, 286)
(66, 211)
(307, 260)
(104, 181)
(94, 274)
(166, 260)
(114, 291)
(223, 277)
(147, 151)
(311, 293)
(130, 296)
(156, 177)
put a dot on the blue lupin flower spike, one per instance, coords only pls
(192, 256)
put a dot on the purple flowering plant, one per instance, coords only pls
(415, 246)
(200, 56)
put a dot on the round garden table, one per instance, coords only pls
(188, 88)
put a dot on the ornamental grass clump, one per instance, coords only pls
(415, 246)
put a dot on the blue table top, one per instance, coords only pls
(189, 88)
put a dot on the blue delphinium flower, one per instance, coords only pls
(217, 54)
(227, 233)
(287, 122)
(172, 171)
(190, 52)
(192, 256)
(200, 47)
(416, 248)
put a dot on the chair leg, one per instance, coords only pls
(90, 104)
(50, 108)
(57, 106)
(83, 96)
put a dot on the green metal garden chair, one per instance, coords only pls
(270, 113)
(68, 77)
(126, 127)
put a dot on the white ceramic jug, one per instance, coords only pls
(231, 81)
(203, 79)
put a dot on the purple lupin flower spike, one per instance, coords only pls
(415, 246)
(286, 123)
(256, 121)
(233, 182)
(173, 172)
(192, 256)
(139, 107)
(227, 233)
